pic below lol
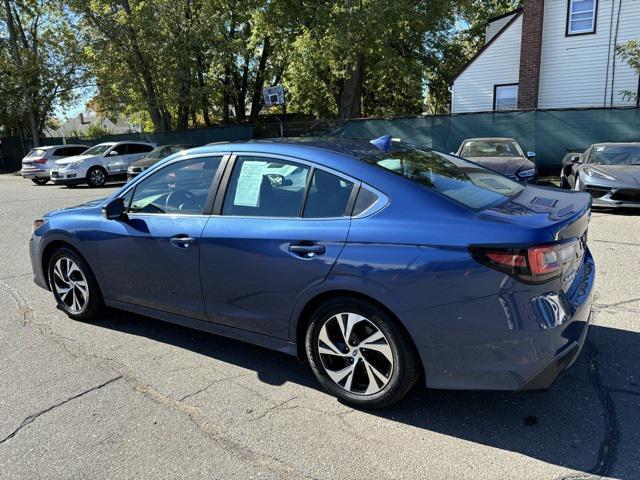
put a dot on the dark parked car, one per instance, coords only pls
(570, 159)
(155, 156)
(610, 172)
(377, 262)
(504, 155)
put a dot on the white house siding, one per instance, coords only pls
(494, 27)
(573, 70)
(498, 64)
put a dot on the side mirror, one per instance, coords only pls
(575, 159)
(114, 210)
(531, 154)
(113, 152)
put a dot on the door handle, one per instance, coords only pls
(182, 241)
(307, 249)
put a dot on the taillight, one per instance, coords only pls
(537, 264)
(41, 161)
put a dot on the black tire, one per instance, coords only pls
(95, 303)
(96, 177)
(406, 367)
(564, 183)
(40, 181)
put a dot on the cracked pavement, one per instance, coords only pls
(130, 397)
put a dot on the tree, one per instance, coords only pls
(363, 57)
(630, 52)
(41, 61)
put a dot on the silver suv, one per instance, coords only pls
(39, 161)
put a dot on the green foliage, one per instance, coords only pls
(96, 130)
(630, 53)
(41, 64)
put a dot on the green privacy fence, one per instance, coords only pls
(549, 133)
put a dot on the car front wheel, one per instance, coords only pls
(96, 176)
(73, 285)
(360, 354)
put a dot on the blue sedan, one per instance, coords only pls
(379, 263)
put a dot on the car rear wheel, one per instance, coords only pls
(96, 176)
(73, 285)
(360, 355)
(40, 181)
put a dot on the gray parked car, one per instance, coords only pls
(503, 155)
(37, 164)
(610, 172)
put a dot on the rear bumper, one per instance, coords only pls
(521, 341)
(34, 173)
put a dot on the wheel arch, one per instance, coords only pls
(48, 252)
(304, 317)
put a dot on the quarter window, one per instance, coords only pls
(263, 187)
(328, 196)
(505, 97)
(179, 188)
(581, 18)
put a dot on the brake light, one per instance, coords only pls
(544, 260)
(537, 264)
(41, 161)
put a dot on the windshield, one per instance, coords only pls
(98, 149)
(615, 155)
(462, 181)
(490, 148)
(37, 153)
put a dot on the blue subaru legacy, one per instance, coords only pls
(377, 262)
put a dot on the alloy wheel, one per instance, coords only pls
(97, 177)
(70, 284)
(355, 353)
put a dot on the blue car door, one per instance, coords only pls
(151, 257)
(279, 228)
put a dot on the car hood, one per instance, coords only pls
(84, 206)
(77, 158)
(504, 165)
(626, 174)
(146, 162)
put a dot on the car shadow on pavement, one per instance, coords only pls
(578, 424)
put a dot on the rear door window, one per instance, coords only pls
(467, 183)
(328, 196)
(265, 187)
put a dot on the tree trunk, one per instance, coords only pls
(350, 105)
(204, 100)
(159, 116)
(256, 101)
(27, 97)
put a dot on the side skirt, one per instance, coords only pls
(265, 341)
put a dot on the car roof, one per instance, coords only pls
(49, 147)
(356, 148)
(617, 144)
(492, 139)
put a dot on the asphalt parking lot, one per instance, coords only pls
(132, 397)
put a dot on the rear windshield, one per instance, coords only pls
(37, 153)
(615, 155)
(490, 148)
(467, 183)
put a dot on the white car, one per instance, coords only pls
(37, 164)
(102, 161)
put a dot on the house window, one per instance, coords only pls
(581, 17)
(505, 97)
